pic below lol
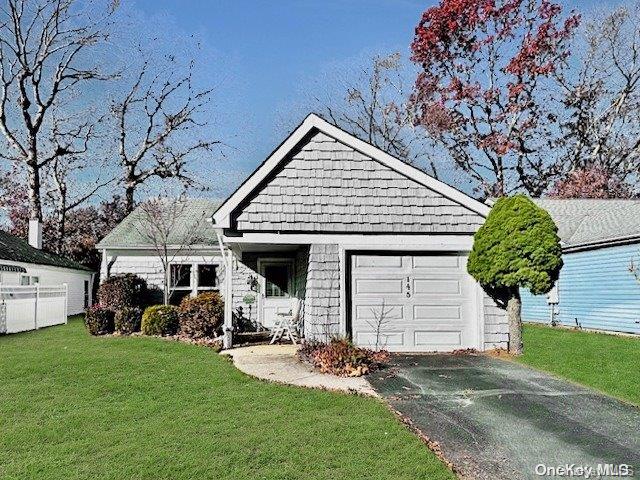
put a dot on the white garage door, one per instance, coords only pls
(413, 303)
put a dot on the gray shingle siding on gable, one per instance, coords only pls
(328, 186)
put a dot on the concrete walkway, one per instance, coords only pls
(278, 363)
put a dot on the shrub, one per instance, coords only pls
(127, 320)
(201, 316)
(341, 357)
(122, 291)
(516, 247)
(99, 320)
(160, 320)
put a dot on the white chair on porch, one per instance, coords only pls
(287, 325)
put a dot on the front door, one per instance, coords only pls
(276, 289)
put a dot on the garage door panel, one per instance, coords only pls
(449, 338)
(434, 286)
(378, 286)
(388, 339)
(377, 261)
(374, 312)
(438, 312)
(431, 262)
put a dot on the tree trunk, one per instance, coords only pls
(129, 193)
(35, 205)
(514, 308)
(167, 280)
(61, 222)
(60, 232)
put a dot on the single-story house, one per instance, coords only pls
(596, 289)
(194, 265)
(25, 263)
(358, 242)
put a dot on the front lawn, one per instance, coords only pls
(74, 406)
(609, 363)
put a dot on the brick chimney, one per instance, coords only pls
(35, 233)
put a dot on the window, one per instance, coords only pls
(86, 294)
(26, 280)
(180, 275)
(207, 277)
(277, 280)
(184, 284)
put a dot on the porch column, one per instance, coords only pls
(104, 265)
(228, 300)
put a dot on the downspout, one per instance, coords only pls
(228, 293)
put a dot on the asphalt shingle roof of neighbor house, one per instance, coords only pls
(18, 250)
(593, 221)
(193, 215)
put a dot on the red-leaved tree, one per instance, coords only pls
(484, 87)
(593, 182)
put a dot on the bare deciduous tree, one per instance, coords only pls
(379, 323)
(160, 224)
(46, 57)
(371, 103)
(602, 98)
(66, 193)
(157, 119)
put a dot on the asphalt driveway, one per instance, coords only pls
(495, 419)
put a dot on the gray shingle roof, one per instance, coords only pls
(586, 221)
(196, 211)
(16, 249)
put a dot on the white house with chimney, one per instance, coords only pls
(26, 264)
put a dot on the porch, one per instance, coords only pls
(270, 281)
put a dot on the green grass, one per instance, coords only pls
(73, 406)
(608, 363)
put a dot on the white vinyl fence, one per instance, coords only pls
(32, 307)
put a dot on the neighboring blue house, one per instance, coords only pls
(596, 290)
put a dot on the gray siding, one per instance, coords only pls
(322, 296)
(496, 325)
(242, 287)
(328, 186)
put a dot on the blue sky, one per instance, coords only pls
(262, 54)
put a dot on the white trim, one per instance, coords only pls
(222, 217)
(389, 242)
(203, 246)
(342, 252)
(480, 315)
(228, 300)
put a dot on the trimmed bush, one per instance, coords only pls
(202, 316)
(99, 320)
(160, 320)
(516, 247)
(343, 358)
(123, 291)
(127, 320)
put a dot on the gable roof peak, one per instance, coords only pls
(313, 121)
